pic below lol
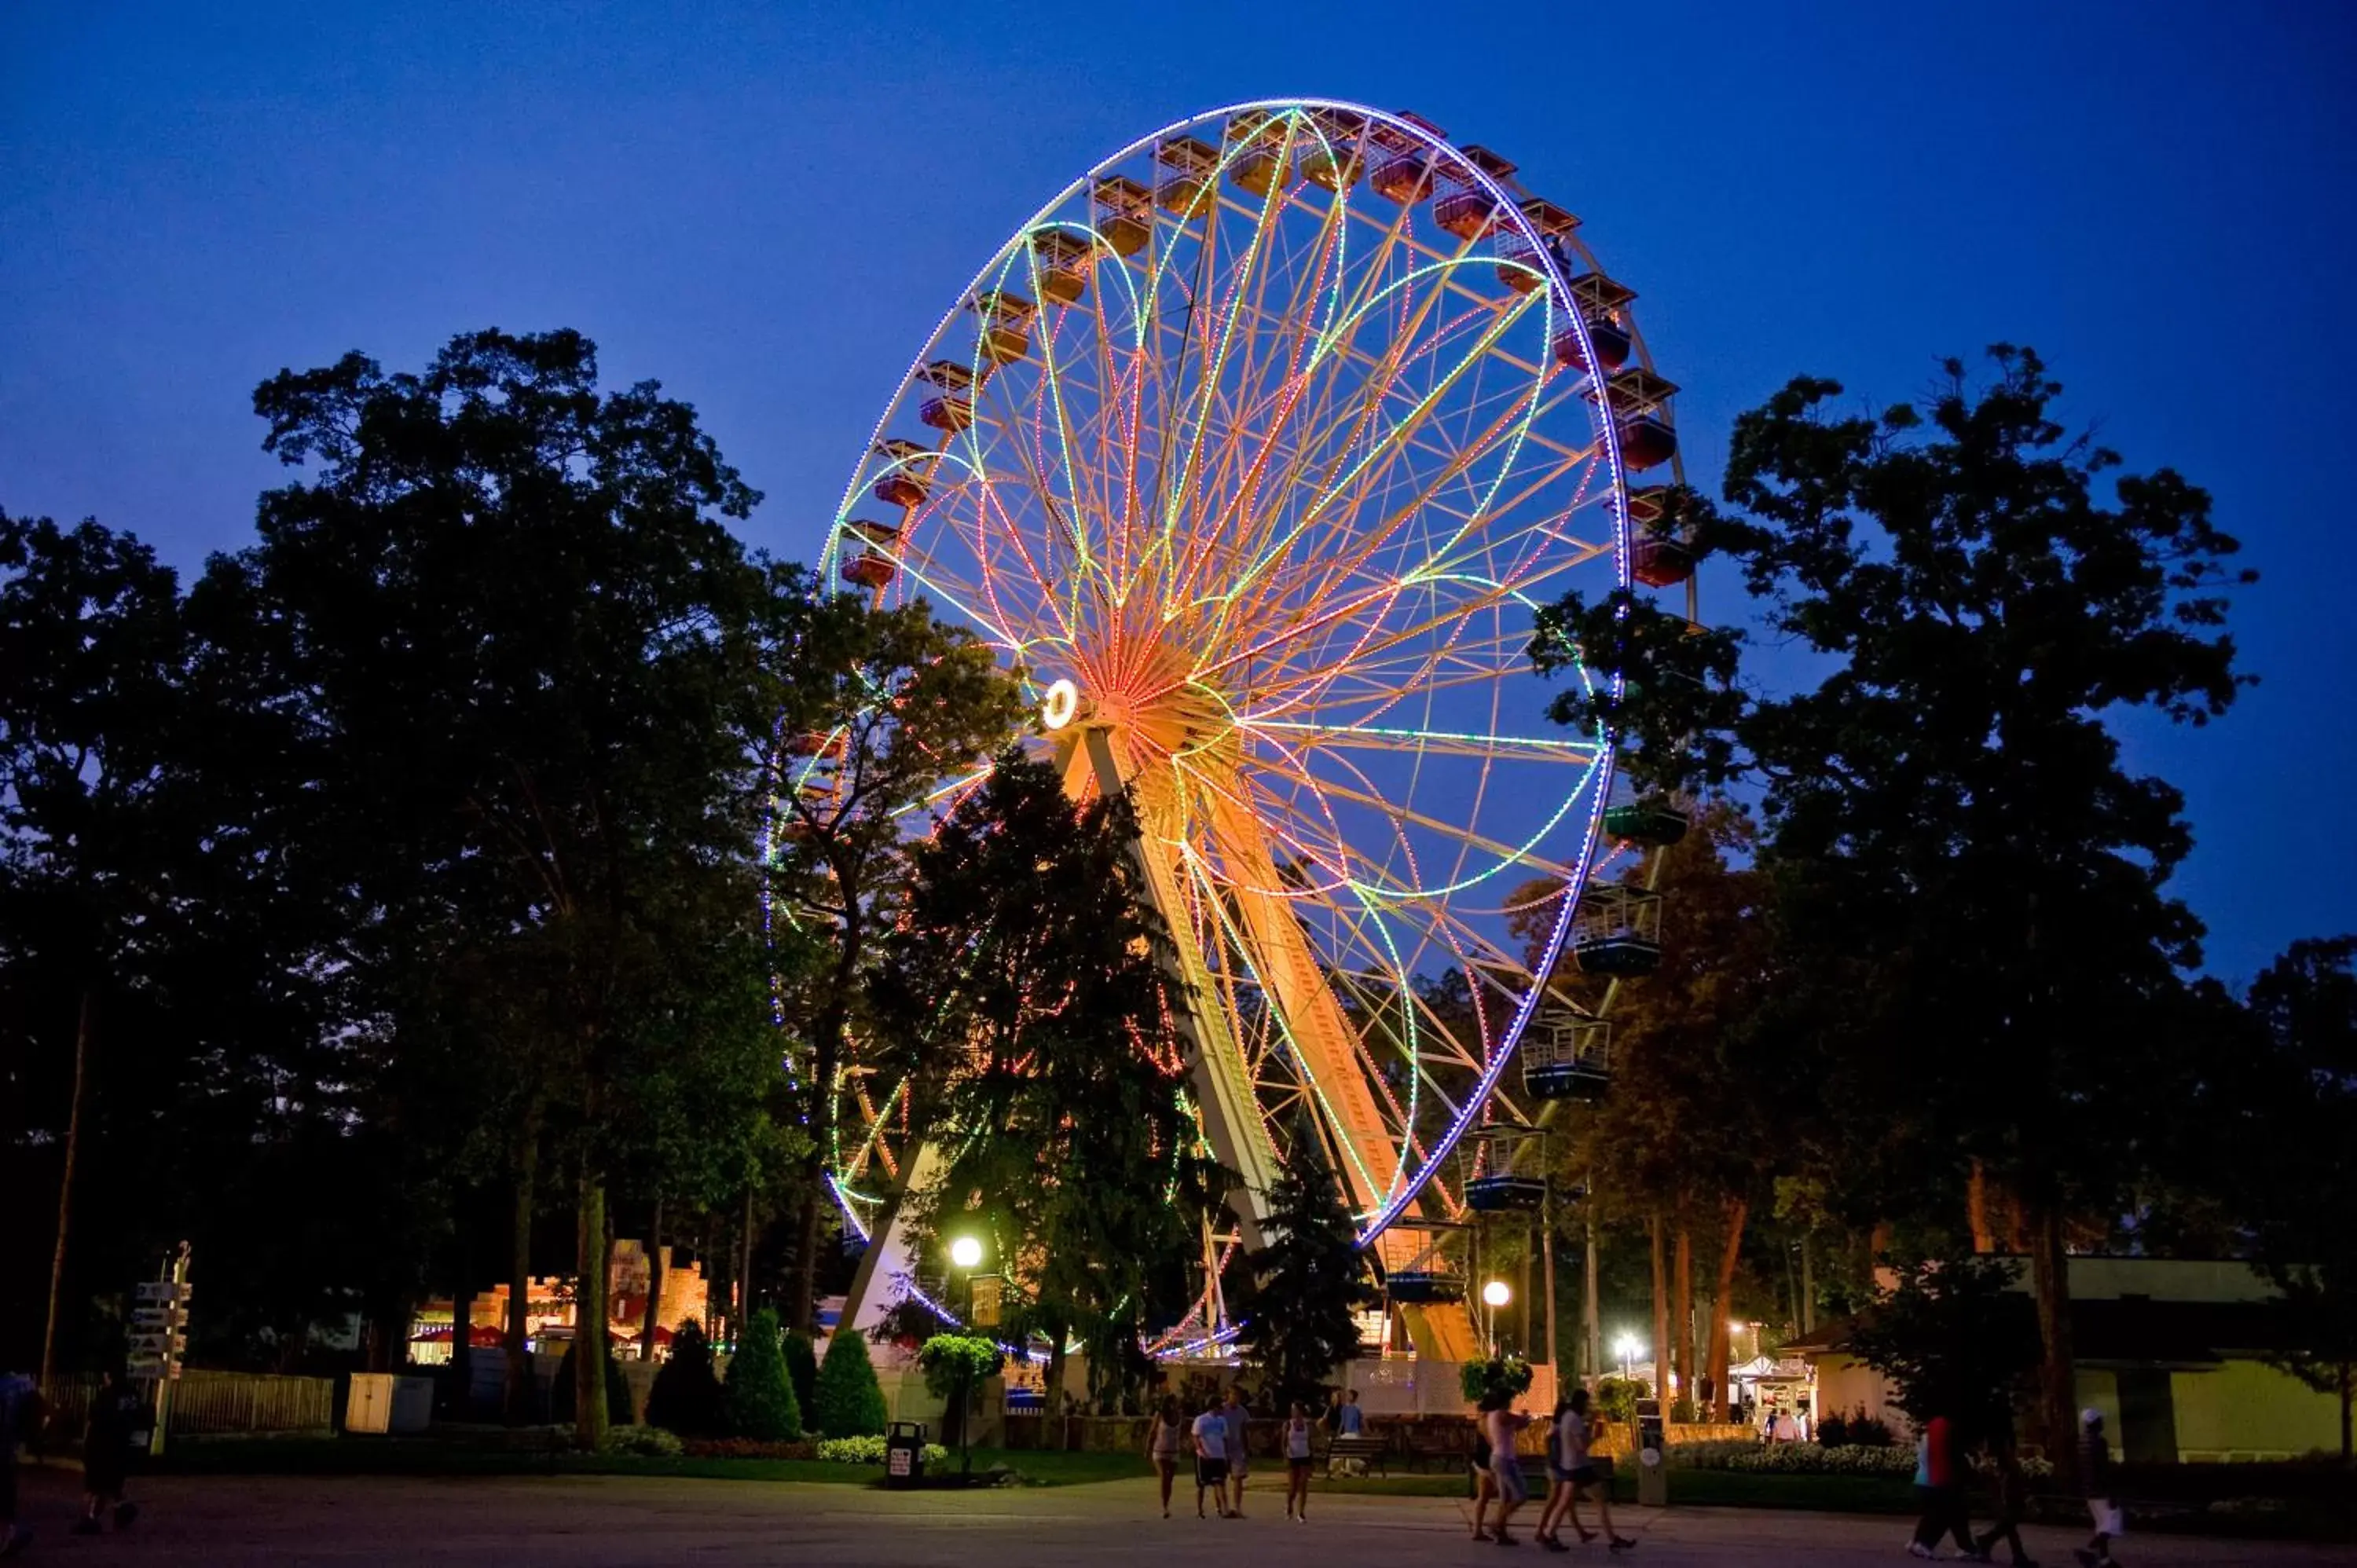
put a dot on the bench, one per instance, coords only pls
(1362, 1451)
(1448, 1444)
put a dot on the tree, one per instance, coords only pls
(2296, 1178)
(93, 651)
(1022, 986)
(759, 1398)
(561, 786)
(687, 1397)
(801, 1365)
(563, 1389)
(1954, 1339)
(885, 704)
(1308, 1283)
(1948, 813)
(955, 1365)
(850, 1402)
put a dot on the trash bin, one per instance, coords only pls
(1653, 1471)
(904, 1454)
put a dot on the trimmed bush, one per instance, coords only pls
(1506, 1375)
(685, 1398)
(649, 1442)
(869, 1451)
(801, 1365)
(758, 1397)
(617, 1390)
(850, 1401)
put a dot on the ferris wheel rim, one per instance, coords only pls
(1503, 1048)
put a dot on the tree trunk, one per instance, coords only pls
(2347, 1455)
(1977, 1207)
(1721, 1328)
(1685, 1310)
(745, 1265)
(1808, 1284)
(85, 1027)
(655, 1266)
(522, 1387)
(2049, 1264)
(1591, 1307)
(462, 1346)
(590, 1413)
(826, 1046)
(1661, 1316)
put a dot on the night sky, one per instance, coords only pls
(768, 207)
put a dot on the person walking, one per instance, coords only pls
(1485, 1480)
(2101, 1485)
(1506, 1465)
(106, 1455)
(1569, 1457)
(1939, 1482)
(1239, 1424)
(1162, 1447)
(1210, 1435)
(20, 1403)
(2009, 1493)
(1297, 1462)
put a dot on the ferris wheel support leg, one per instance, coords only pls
(888, 1266)
(1231, 1109)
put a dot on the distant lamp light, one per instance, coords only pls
(1737, 1327)
(1063, 699)
(965, 1253)
(1496, 1293)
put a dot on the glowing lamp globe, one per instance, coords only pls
(1496, 1293)
(965, 1253)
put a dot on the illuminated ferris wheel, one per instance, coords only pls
(1257, 448)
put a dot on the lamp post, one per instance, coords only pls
(966, 1253)
(1495, 1294)
(1628, 1347)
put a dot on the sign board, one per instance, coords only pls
(151, 1317)
(987, 1301)
(163, 1290)
(896, 1461)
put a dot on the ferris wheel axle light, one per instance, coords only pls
(1063, 699)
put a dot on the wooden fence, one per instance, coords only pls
(214, 1404)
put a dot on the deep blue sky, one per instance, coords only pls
(767, 207)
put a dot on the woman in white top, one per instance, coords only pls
(1162, 1447)
(1297, 1462)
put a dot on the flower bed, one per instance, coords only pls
(1808, 1459)
(870, 1451)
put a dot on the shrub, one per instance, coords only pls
(1809, 1459)
(869, 1451)
(1833, 1432)
(747, 1448)
(1615, 1398)
(850, 1402)
(1682, 1411)
(1498, 1375)
(560, 1395)
(801, 1365)
(758, 1397)
(685, 1398)
(652, 1442)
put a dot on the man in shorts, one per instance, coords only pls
(1238, 1421)
(2103, 1496)
(1210, 1435)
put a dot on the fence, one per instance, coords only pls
(214, 1404)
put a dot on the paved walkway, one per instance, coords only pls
(579, 1522)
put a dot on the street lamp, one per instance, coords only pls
(965, 1253)
(1629, 1349)
(1495, 1294)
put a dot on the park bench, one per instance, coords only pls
(1361, 1451)
(1446, 1443)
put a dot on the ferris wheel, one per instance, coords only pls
(1256, 449)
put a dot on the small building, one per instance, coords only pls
(2174, 1352)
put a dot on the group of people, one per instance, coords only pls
(1216, 1441)
(115, 1410)
(1572, 1474)
(1943, 1468)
